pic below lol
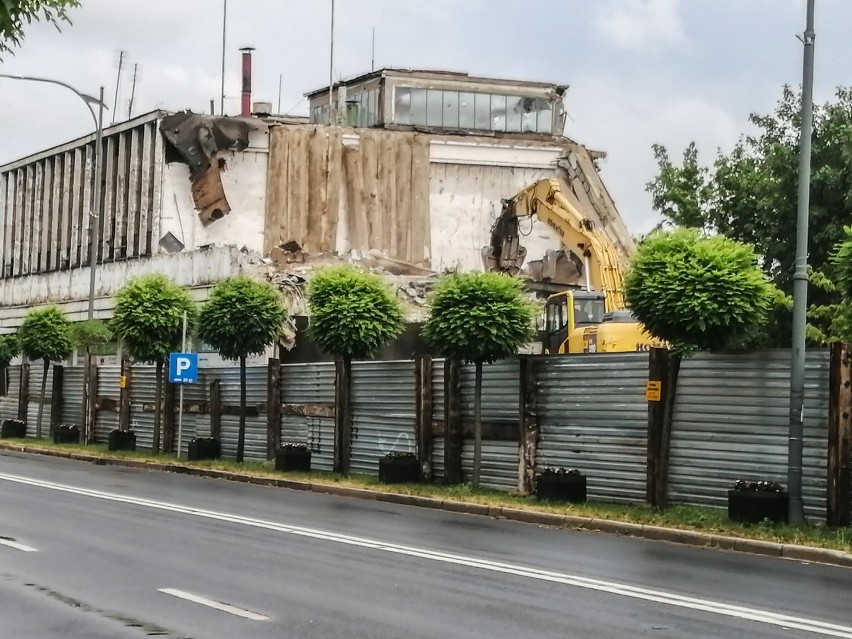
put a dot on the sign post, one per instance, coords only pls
(183, 369)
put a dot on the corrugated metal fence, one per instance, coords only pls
(309, 384)
(73, 383)
(256, 395)
(593, 416)
(731, 421)
(109, 388)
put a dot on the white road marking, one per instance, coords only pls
(615, 588)
(16, 545)
(218, 605)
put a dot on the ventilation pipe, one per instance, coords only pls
(245, 109)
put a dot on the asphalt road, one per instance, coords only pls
(95, 551)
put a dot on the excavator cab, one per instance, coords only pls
(568, 317)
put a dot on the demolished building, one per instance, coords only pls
(402, 172)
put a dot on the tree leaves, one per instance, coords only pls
(352, 313)
(10, 347)
(478, 317)
(242, 317)
(90, 333)
(15, 14)
(46, 334)
(699, 292)
(148, 317)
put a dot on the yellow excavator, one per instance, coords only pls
(591, 318)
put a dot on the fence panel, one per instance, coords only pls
(36, 369)
(143, 388)
(593, 416)
(73, 384)
(499, 464)
(309, 384)
(438, 460)
(9, 401)
(256, 394)
(500, 393)
(438, 389)
(109, 387)
(731, 422)
(384, 411)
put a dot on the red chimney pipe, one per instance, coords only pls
(245, 110)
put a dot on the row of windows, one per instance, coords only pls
(362, 109)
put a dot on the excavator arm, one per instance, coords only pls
(544, 199)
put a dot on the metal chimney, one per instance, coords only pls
(245, 109)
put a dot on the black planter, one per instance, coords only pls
(204, 448)
(66, 435)
(122, 440)
(293, 459)
(561, 488)
(399, 470)
(13, 428)
(752, 507)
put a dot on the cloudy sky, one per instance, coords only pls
(641, 71)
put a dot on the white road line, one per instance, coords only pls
(615, 588)
(16, 545)
(218, 605)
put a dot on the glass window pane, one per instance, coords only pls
(482, 109)
(451, 109)
(434, 107)
(514, 109)
(498, 112)
(466, 118)
(418, 107)
(374, 107)
(402, 105)
(545, 121)
(364, 109)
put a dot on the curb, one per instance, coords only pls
(654, 533)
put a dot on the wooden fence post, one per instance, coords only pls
(528, 431)
(124, 396)
(4, 381)
(453, 431)
(273, 407)
(423, 425)
(169, 397)
(663, 368)
(24, 392)
(839, 498)
(90, 403)
(215, 410)
(342, 416)
(56, 398)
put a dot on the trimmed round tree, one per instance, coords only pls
(148, 318)
(353, 314)
(10, 348)
(88, 334)
(699, 292)
(242, 318)
(478, 318)
(45, 334)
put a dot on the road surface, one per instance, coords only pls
(102, 552)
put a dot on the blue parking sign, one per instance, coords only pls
(183, 368)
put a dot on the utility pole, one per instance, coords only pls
(132, 91)
(331, 70)
(117, 86)
(800, 280)
(224, 32)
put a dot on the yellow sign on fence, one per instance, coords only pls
(654, 391)
(122, 381)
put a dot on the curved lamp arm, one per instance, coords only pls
(87, 99)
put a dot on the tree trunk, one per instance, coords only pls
(158, 408)
(241, 440)
(41, 397)
(477, 426)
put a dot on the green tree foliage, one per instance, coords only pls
(242, 318)
(352, 313)
(478, 318)
(16, 14)
(148, 318)
(45, 334)
(749, 195)
(90, 334)
(10, 348)
(699, 292)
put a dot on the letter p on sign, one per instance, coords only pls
(183, 368)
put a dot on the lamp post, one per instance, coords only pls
(95, 210)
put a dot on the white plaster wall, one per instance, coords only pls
(467, 186)
(244, 181)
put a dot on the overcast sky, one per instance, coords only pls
(640, 71)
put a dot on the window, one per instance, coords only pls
(418, 106)
(434, 108)
(482, 110)
(402, 105)
(466, 110)
(514, 109)
(451, 110)
(498, 112)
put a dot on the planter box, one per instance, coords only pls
(204, 448)
(287, 459)
(752, 507)
(13, 428)
(561, 488)
(399, 471)
(67, 435)
(122, 440)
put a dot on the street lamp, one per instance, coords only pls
(95, 205)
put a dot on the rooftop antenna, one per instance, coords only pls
(331, 69)
(224, 30)
(280, 76)
(373, 52)
(132, 91)
(117, 84)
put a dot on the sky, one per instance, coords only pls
(641, 72)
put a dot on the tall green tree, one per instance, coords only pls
(45, 334)
(478, 318)
(89, 334)
(243, 317)
(148, 318)
(353, 314)
(749, 195)
(10, 348)
(16, 14)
